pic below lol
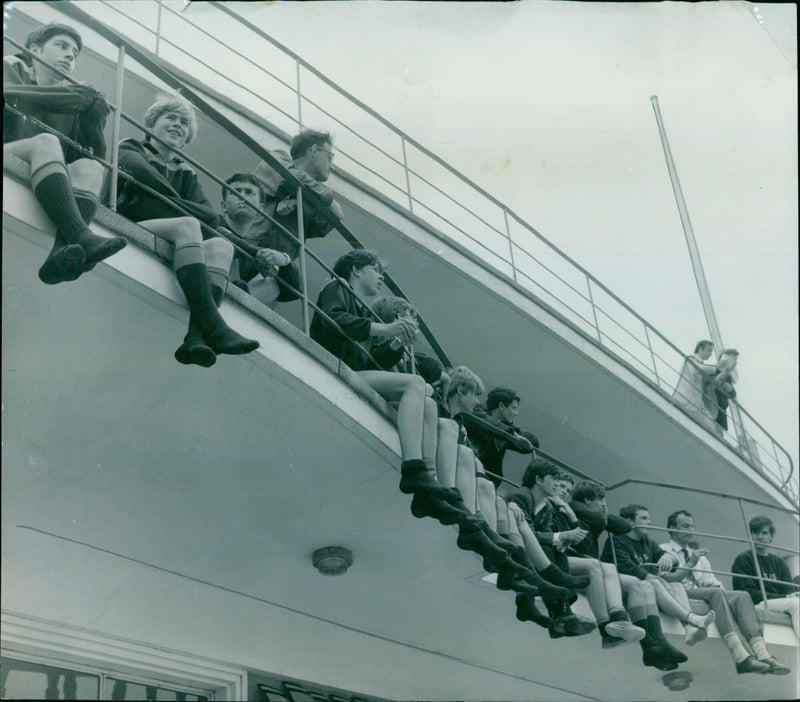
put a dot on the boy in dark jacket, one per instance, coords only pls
(202, 261)
(64, 181)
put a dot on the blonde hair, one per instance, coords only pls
(172, 103)
(463, 377)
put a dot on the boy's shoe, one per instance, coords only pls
(752, 665)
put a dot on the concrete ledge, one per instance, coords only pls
(20, 170)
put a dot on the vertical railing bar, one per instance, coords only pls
(299, 98)
(652, 355)
(408, 178)
(158, 27)
(755, 554)
(301, 235)
(594, 310)
(115, 126)
(510, 245)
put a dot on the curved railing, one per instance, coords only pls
(290, 93)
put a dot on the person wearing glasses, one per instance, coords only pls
(309, 159)
(65, 181)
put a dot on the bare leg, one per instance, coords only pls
(465, 477)
(447, 452)
(595, 593)
(409, 390)
(487, 507)
(612, 585)
(502, 515)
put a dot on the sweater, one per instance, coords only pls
(772, 566)
(339, 303)
(632, 555)
(176, 180)
(77, 111)
(491, 446)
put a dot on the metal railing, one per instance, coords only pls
(406, 173)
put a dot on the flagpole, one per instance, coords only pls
(697, 265)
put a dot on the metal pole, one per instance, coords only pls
(158, 27)
(594, 309)
(754, 554)
(652, 354)
(115, 126)
(301, 235)
(408, 179)
(299, 99)
(510, 245)
(694, 253)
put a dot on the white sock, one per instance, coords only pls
(760, 648)
(734, 644)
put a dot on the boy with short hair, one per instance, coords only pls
(64, 181)
(278, 272)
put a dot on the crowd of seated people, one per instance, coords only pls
(542, 540)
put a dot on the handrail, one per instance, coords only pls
(779, 469)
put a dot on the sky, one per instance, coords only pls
(546, 105)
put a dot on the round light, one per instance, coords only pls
(332, 560)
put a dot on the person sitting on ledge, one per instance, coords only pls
(639, 555)
(781, 596)
(604, 592)
(457, 466)
(532, 501)
(309, 159)
(267, 274)
(502, 407)
(65, 182)
(735, 614)
(360, 273)
(201, 260)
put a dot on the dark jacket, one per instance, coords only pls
(341, 306)
(77, 111)
(176, 181)
(490, 446)
(595, 523)
(632, 555)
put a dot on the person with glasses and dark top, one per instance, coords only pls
(309, 159)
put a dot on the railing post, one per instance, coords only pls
(158, 27)
(408, 179)
(299, 97)
(754, 553)
(652, 355)
(510, 245)
(594, 309)
(301, 235)
(115, 125)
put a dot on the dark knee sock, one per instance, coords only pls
(53, 190)
(87, 205)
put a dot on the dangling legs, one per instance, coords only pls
(193, 276)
